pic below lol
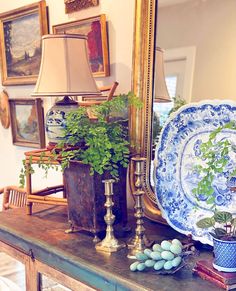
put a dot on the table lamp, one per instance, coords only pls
(64, 71)
(161, 94)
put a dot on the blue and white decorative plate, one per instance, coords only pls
(177, 155)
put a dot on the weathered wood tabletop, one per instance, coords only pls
(43, 236)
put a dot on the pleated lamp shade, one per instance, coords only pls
(160, 89)
(65, 69)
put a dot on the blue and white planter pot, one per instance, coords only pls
(225, 255)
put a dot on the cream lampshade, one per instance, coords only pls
(64, 71)
(160, 89)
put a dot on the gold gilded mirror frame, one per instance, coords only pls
(142, 86)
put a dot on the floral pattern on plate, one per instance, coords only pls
(177, 155)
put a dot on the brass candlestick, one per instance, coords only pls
(140, 241)
(109, 244)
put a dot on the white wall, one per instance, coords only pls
(210, 25)
(120, 17)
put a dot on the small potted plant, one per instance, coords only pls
(216, 188)
(90, 151)
(223, 231)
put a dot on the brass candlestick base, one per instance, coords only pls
(132, 242)
(140, 241)
(109, 244)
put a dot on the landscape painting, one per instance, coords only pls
(27, 122)
(21, 45)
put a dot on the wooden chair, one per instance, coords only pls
(13, 197)
(89, 101)
(107, 95)
(110, 89)
(43, 196)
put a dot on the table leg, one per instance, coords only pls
(28, 187)
(32, 276)
(29, 208)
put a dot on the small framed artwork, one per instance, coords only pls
(75, 5)
(20, 33)
(27, 122)
(4, 109)
(95, 30)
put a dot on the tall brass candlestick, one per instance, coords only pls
(109, 244)
(140, 241)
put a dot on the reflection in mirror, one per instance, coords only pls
(199, 42)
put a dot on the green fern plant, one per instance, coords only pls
(103, 144)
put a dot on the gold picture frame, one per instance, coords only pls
(21, 30)
(75, 5)
(142, 86)
(95, 29)
(27, 122)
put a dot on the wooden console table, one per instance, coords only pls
(39, 241)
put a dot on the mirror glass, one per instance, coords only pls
(199, 42)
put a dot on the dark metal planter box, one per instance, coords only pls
(85, 194)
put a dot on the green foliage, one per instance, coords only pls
(206, 222)
(24, 171)
(178, 102)
(223, 224)
(103, 143)
(41, 164)
(214, 154)
(156, 127)
(222, 217)
(116, 105)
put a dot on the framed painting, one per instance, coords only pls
(20, 34)
(95, 30)
(4, 109)
(27, 122)
(75, 5)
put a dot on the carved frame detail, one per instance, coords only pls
(142, 86)
(75, 5)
